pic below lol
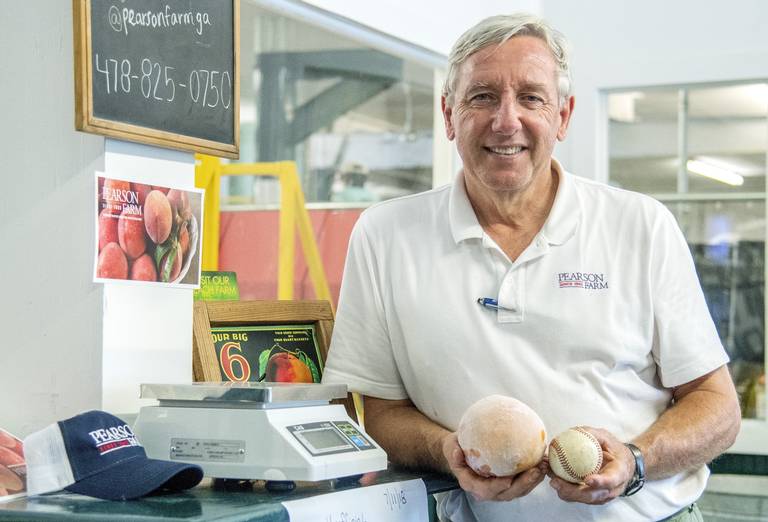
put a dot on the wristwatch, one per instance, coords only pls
(638, 479)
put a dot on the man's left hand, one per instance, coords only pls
(609, 482)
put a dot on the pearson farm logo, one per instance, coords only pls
(585, 280)
(110, 439)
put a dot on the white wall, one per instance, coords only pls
(69, 345)
(147, 329)
(50, 313)
(434, 24)
(653, 42)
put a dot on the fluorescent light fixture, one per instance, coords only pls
(711, 171)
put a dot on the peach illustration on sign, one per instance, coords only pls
(107, 229)
(112, 263)
(158, 216)
(143, 269)
(285, 367)
(184, 239)
(130, 233)
(178, 200)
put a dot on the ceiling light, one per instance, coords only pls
(714, 172)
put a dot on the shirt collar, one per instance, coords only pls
(565, 214)
(560, 225)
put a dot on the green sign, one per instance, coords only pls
(217, 286)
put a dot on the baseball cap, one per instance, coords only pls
(96, 454)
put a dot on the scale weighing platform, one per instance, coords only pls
(257, 431)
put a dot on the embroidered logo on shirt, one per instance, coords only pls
(586, 280)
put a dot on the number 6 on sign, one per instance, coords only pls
(227, 360)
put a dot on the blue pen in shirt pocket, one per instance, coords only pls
(491, 304)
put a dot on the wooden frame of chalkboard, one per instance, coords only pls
(164, 74)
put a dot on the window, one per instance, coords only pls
(702, 150)
(358, 121)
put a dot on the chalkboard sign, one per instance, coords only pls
(164, 73)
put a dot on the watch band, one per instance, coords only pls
(638, 479)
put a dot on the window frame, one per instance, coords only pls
(754, 431)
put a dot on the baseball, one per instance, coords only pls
(574, 454)
(501, 436)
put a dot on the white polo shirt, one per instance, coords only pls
(604, 313)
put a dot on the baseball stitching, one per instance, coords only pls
(563, 459)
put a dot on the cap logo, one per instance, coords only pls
(114, 438)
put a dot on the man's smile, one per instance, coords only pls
(506, 151)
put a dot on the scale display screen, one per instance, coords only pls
(325, 438)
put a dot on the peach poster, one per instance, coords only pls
(147, 234)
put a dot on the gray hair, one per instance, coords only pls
(497, 30)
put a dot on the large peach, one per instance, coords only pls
(107, 228)
(143, 269)
(285, 367)
(112, 263)
(130, 233)
(158, 217)
(501, 436)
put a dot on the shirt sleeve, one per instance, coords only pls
(686, 343)
(361, 353)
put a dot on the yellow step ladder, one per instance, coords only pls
(293, 216)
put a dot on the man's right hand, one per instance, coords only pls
(489, 488)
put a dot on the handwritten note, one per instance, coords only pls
(395, 501)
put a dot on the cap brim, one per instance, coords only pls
(138, 477)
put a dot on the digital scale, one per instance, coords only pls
(257, 431)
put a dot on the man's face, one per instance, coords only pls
(505, 114)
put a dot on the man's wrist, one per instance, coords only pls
(438, 453)
(638, 478)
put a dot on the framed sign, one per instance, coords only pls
(163, 73)
(271, 341)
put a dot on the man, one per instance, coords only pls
(600, 321)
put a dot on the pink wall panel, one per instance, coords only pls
(248, 246)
